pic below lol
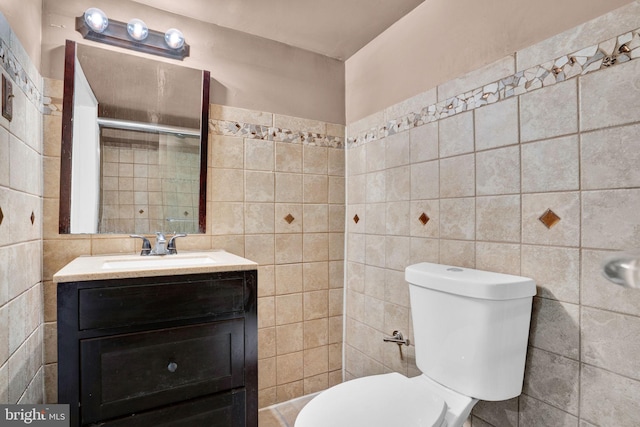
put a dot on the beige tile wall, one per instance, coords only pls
(21, 320)
(484, 177)
(146, 182)
(253, 184)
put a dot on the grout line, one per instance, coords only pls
(552, 405)
(580, 242)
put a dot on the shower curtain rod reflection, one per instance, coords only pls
(146, 127)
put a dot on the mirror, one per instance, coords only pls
(134, 144)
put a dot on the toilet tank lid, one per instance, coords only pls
(469, 282)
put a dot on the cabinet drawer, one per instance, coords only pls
(128, 305)
(129, 373)
(221, 410)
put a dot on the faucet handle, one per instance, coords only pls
(146, 245)
(171, 247)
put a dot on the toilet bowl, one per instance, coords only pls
(471, 329)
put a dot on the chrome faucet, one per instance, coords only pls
(161, 241)
(161, 246)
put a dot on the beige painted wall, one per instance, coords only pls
(247, 71)
(441, 40)
(24, 17)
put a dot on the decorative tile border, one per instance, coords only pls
(617, 50)
(270, 133)
(17, 73)
(52, 106)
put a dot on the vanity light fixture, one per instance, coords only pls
(95, 26)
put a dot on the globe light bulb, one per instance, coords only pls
(137, 29)
(174, 38)
(96, 19)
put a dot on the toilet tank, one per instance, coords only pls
(471, 328)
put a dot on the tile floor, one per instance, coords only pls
(283, 414)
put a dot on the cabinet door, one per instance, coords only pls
(221, 410)
(125, 374)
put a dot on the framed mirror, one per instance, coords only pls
(134, 144)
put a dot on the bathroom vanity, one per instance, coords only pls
(150, 341)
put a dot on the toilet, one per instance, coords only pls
(471, 329)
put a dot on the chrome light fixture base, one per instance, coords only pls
(116, 35)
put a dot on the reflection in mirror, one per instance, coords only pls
(134, 144)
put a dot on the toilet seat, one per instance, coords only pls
(387, 400)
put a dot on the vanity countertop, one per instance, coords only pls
(122, 266)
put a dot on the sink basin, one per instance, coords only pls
(158, 262)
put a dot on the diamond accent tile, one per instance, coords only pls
(289, 218)
(424, 219)
(1, 216)
(356, 218)
(549, 218)
(33, 217)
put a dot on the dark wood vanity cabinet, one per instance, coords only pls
(160, 351)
